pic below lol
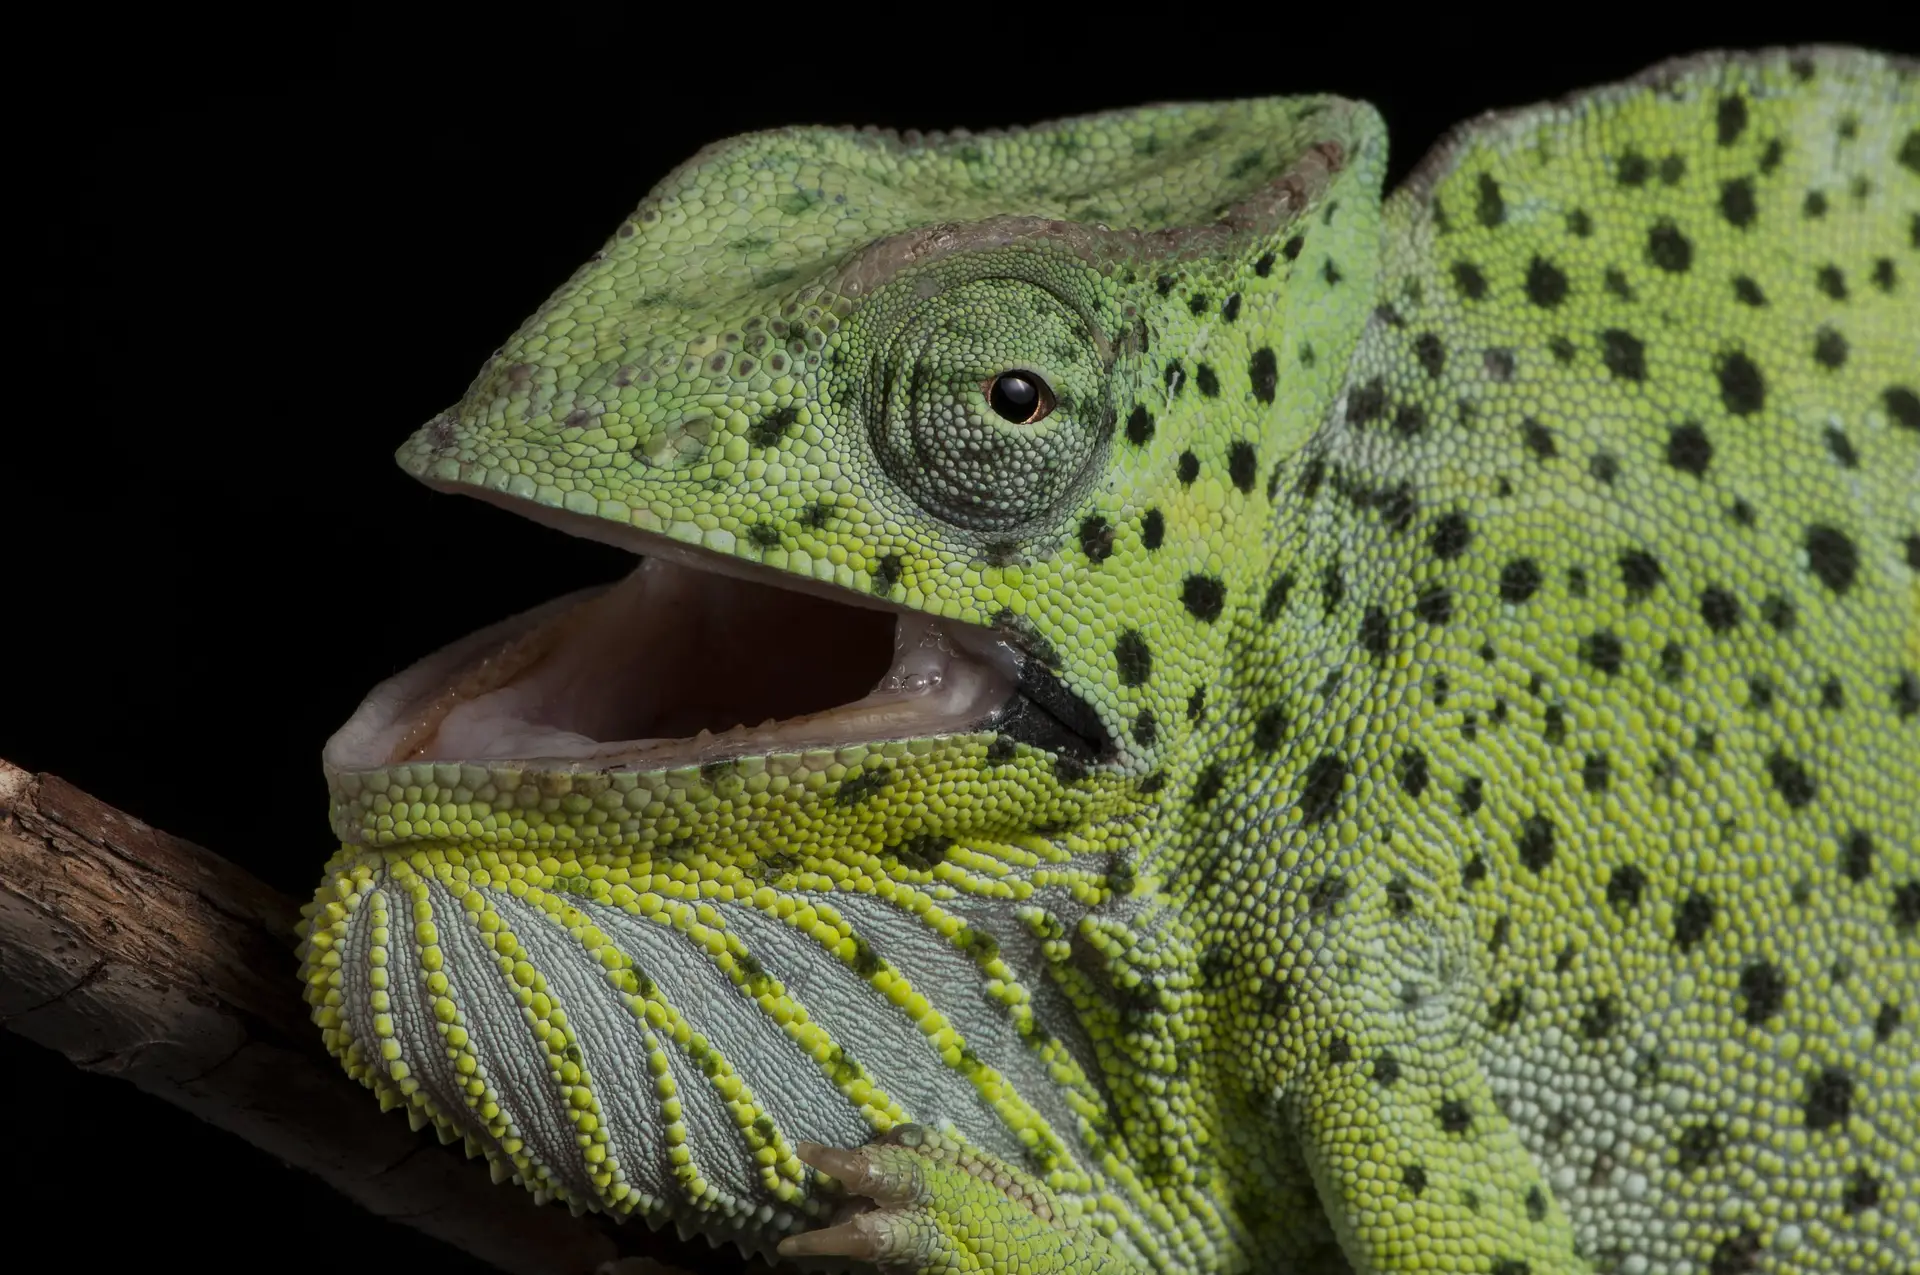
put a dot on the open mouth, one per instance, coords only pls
(697, 657)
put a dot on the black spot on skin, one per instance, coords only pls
(1139, 426)
(1473, 873)
(1519, 580)
(1197, 304)
(772, 427)
(1692, 921)
(1672, 169)
(1153, 529)
(1790, 779)
(1862, 1193)
(1814, 206)
(1452, 533)
(1203, 596)
(1668, 249)
(1624, 354)
(1242, 465)
(1579, 224)
(1367, 403)
(1886, 1022)
(1765, 988)
(1730, 119)
(1454, 1116)
(1633, 169)
(1616, 284)
(1264, 372)
(1903, 405)
(1205, 378)
(1320, 793)
(1673, 662)
(862, 786)
(1291, 248)
(1831, 281)
(1747, 292)
(1467, 278)
(1561, 349)
(1884, 275)
(1554, 725)
(1905, 910)
(1164, 284)
(1741, 512)
(1689, 449)
(1376, 635)
(887, 573)
(1539, 439)
(1625, 886)
(1737, 1254)
(1778, 613)
(1910, 546)
(1535, 843)
(1001, 750)
(1489, 209)
(1856, 856)
(1499, 363)
(1435, 604)
(1720, 609)
(1829, 348)
(1603, 651)
(1742, 388)
(1269, 728)
(1546, 283)
(1697, 1145)
(1909, 155)
(1276, 597)
(1330, 271)
(1737, 203)
(1173, 376)
(1473, 794)
(1840, 447)
(1832, 556)
(1577, 581)
(1188, 469)
(764, 535)
(1339, 1049)
(1599, 1019)
(1067, 770)
(1829, 1099)
(1906, 694)
(1414, 1178)
(1207, 786)
(1386, 1068)
(1146, 729)
(1413, 772)
(1409, 419)
(1640, 573)
(1153, 783)
(1096, 538)
(1770, 157)
(1264, 266)
(1134, 658)
(1431, 352)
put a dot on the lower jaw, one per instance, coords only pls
(673, 667)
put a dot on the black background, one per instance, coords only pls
(250, 278)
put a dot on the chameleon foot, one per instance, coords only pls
(940, 1206)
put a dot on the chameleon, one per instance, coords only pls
(1177, 711)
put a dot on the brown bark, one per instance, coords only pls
(140, 955)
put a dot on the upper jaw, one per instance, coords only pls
(697, 657)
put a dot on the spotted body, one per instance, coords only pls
(1460, 807)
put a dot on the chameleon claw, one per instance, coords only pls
(857, 1238)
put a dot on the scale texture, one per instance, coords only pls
(1496, 611)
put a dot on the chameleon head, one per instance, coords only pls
(939, 553)
(879, 417)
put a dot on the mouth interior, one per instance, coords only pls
(675, 665)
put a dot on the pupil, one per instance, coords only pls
(1014, 397)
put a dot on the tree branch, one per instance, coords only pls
(140, 955)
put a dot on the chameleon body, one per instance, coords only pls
(1423, 764)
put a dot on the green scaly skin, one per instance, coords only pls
(1473, 822)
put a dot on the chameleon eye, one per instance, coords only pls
(1020, 397)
